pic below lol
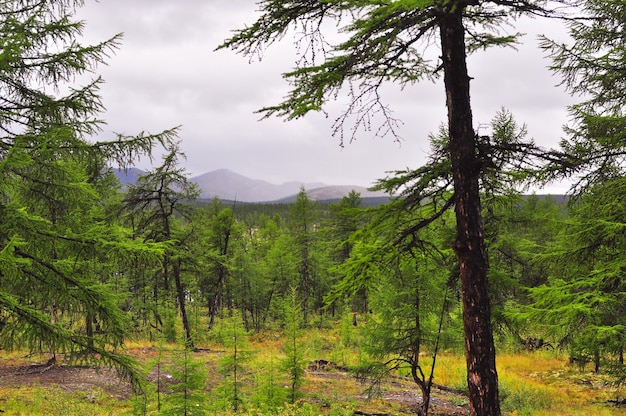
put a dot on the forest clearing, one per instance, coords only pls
(532, 383)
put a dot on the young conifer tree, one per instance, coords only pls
(233, 365)
(269, 393)
(187, 397)
(293, 361)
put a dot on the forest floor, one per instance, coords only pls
(29, 387)
(89, 384)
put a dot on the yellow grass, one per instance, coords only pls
(538, 383)
(52, 400)
(531, 383)
(545, 380)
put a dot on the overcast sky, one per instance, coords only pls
(166, 74)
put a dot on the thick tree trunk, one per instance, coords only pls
(470, 244)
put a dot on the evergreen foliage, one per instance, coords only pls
(187, 397)
(592, 67)
(587, 289)
(582, 302)
(233, 365)
(156, 205)
(302, 223)
(293, 362)
(409, 286)
(54, 236)
(522, 231)
(269, 394)
(218, 233)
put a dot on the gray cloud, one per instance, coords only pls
(166, 73)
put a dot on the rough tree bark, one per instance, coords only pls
(470, 243)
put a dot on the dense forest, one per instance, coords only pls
(87, 266)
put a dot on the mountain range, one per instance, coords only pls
(228, 185)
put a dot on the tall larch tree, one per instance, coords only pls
(158, 203)
(384, 41)
(346, 217)
(48, 162)
(301, 222)
(221, 231)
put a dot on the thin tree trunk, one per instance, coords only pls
(469, 245)
(217, 300)
(90, 332)
(306, 283)
(419, 379)
(180, 294)
(53, 321)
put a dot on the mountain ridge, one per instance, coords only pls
(228, 185)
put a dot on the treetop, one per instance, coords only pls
(354, 47)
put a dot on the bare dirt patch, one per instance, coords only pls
(71, 379)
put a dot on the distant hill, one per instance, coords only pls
(128, 176)
(227, 185)
(332, 193)
(230, 186)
